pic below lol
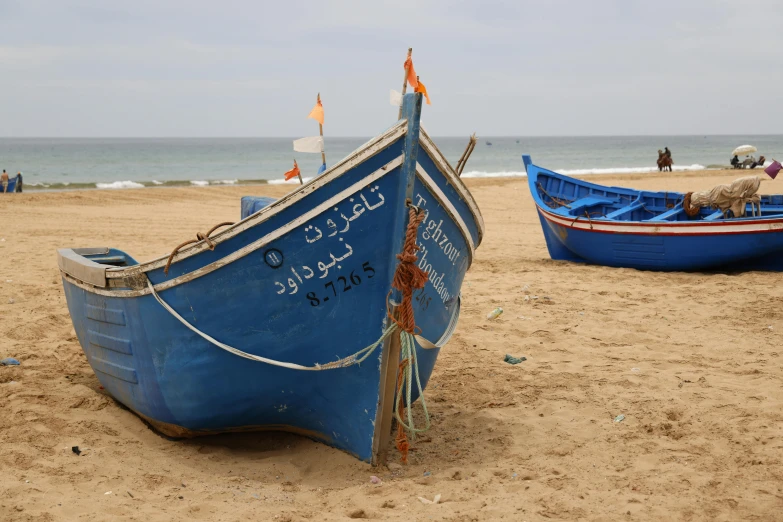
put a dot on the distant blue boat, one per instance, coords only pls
(11, 186)
(589, 223)
(254, 327)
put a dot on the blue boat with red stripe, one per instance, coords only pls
(621, 227)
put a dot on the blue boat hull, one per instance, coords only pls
(620, 227)
(303, 280)
(11, 186)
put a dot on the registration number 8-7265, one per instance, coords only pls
(341, 285)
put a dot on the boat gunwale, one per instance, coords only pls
(448, 171)
(593, 222)
(643, 228)
(372, 147)
(263, 241)
(242, 252)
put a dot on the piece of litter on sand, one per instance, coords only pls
(435, 500)
(375, 480)
(10, 361)
(11, 301)
(494, 314)
(107, 493)
(769, 327)
(76, 449)
(635, 370)
(9, 281)
(427, 473)
(510, 359)
(619, 418)
(527, 298)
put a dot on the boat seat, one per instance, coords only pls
(580, 205)
(718, 214)
(668, 214)
(252, 204)
(624, 210)
(109, 260)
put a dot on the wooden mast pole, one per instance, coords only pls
(300, 175)
(390, 360)
(405, 82)
(321, 130)
(465, 155)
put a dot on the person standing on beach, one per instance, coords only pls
(18, 187)
(4, 181)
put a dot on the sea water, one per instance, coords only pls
(111, 163)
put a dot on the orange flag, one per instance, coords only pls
(317, 113)
(422, 89)
(411, 73)
(294, 172)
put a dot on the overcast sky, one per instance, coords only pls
(253, 68)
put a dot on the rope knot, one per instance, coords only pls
(199, 237)
(203, 237)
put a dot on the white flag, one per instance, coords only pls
(313, 144)
(395, 98)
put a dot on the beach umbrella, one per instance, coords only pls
(743, 150)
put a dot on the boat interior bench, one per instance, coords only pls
(671, 213)
(635, 205)
(579, 206)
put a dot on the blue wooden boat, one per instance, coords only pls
(261, 325)
(11, 186)
(621, 227)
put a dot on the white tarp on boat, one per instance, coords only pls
(734, 196)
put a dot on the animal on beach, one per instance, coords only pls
(664, 161)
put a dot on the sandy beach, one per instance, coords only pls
(690, 359)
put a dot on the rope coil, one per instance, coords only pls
(690, 210)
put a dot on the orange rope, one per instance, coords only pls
(407, 278)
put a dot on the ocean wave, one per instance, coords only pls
(156, 182)
(293, 181)
(572, 172)
(626, 170)
(119, 185)
(224, 182)
(482, 174)
(199, 183)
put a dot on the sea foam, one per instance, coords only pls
(572, 172)
(292, 181)
(119, 185)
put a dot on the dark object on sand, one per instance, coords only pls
(510, 359)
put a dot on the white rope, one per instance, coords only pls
(351, 360)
